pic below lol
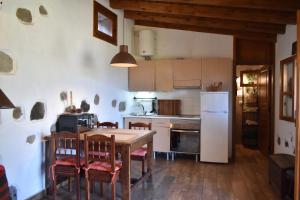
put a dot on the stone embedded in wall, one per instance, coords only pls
(122, 106)
(6, 63)
(85, 107)
(38, 111)
(63, 96)
(30, 139)
(24, 15)
(18, 113)
(278, 140)
(114, 103)
(43, 10)
(96, 99)
(286, 143)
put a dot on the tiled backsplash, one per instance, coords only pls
(190, 100)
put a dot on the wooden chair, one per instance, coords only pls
(141, 153)
(108, 125)
(65, 151)
(101, 167)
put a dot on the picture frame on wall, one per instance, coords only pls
(105, 24)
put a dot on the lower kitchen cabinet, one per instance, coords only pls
(161, 140)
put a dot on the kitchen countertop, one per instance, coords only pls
(187, 117)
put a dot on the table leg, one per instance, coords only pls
(149, 155)
(47, 167)
(125, 173)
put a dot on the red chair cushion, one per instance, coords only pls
(69, 161)
(141, 152)
(4, 191)
(97, 153)
(105, 166)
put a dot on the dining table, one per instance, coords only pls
(126, 141)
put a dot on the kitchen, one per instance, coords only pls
(183, 66)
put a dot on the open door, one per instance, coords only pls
(265, 139)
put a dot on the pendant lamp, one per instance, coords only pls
(123, 58)
(5, 103)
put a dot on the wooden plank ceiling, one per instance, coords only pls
(251, 19)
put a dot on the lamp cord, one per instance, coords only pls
(123, 29)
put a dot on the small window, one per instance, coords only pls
(287, 89)
(105, 24)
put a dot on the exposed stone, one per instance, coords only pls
(6, 63)
(37, 111)
(114, 103)
(24, 15)
(286, 144)
(43, 10)
(96, 99)
(85, 107)
(122, 106)
(30, 139)
(63, 96)
(17, 113)
(278, 140)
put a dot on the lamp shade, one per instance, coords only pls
(5, 103)
(123, 58)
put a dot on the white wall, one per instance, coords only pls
(57, 52)
(283, 129)
(172, 43)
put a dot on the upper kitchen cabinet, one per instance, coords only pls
(164, 75)
(187, 73)
(215, 70)
(142, 78)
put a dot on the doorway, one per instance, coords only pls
(252, 108)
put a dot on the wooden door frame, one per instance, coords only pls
(272, 96)
(297, 163)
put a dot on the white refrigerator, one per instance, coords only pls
(214, 127)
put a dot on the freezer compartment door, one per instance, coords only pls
(214, 137)
(214, 102)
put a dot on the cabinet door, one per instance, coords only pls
(216, 70)
(142, 78)
(187, 73)
(164, 75)
(161, 140)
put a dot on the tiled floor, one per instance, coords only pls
(184, 179)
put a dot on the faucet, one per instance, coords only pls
(142, 108)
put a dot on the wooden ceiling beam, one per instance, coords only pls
(241, 14)
(206, 22)
(239, 34)
(280, 5)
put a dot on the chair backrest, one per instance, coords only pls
(139, 126)
(108, 125)
(65, 145)
(99, 148)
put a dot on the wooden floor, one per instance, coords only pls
(184, 179)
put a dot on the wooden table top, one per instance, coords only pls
(122, 136)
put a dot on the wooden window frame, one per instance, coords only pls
(291, 59)
(98, 8)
